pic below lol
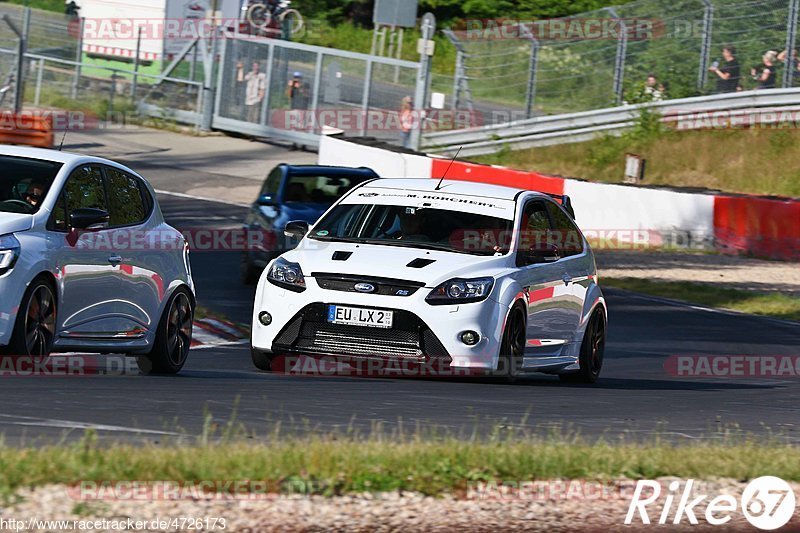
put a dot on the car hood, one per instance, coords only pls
(13, 222)
(430, 267)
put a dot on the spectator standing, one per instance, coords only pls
(765, 73)
(406, 121)
(255, 89)
(298, 94)
(653, 91)
(729, 72)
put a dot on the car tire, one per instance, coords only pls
(248, 272)
(592, 351)
(262, 360)
(35, 327)
(173, 337)
(512, 347)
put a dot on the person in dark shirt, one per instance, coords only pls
(729, 73)
(765, 73)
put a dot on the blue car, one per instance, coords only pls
(292, 192)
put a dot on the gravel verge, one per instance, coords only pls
(544, 506)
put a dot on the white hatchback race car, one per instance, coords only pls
(474, 277)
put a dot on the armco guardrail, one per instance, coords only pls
(577, 127)
(614, 216)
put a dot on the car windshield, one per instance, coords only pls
(24, 183)
(426, 228)
(319, 189)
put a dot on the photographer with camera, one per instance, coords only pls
(729, 73)
(765, 73)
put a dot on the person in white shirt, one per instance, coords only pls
(256, 88)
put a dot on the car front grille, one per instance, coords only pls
(409, 338)
(383, 286)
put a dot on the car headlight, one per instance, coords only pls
(287, 275)
(461, 291)
(9, 252)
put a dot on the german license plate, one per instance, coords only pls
(357, 316)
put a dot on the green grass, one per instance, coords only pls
(745, 161)
(775, 305)
(348, 464)
(48, 5)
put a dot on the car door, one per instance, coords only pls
(86, 275)
(262, 216)
(137, 258)
(575, 261)
(548, 327)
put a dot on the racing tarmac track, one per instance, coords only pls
(635, 394)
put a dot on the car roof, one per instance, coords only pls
(46, 154)
(312, 170)
(466, 188)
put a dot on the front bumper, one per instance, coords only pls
(12, 288)
(421, 333)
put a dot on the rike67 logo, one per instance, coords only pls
(767, 503)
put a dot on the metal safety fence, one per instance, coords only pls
(239, 83)
(296, 91)
(645, 50)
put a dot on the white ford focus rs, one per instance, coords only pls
(473, 277)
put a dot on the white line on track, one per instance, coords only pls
(70, 424)
(203, 198)
(220, 345)
(678, 303)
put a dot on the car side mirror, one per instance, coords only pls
(265, 199)
(296, 229)
(88, 218)
(539, 253)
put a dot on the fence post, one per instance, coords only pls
(209, 87)
(136, 64)
(78, 60)
(268, 82)
(619, 63)
(38, 93)
(459, 77)
(19, 86)
(216, 104)
(110, 113)
(428, 29)
(791, 38)
(365, 97)
(530, 95)
(705, 45)
(315, 95)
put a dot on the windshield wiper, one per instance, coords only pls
(404, 243)
(415, 244)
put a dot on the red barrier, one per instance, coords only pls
(763, 227)
(519, 179)
(24, 129)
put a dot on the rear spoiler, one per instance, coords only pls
(566, 202)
